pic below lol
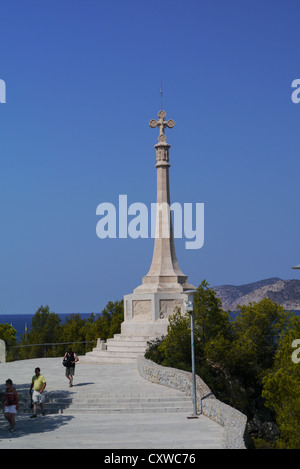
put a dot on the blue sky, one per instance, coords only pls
(82, 82)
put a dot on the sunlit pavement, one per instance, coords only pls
(101, 430)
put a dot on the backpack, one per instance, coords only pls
(67, 361)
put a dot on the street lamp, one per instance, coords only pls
(189, 307)
(296, 266)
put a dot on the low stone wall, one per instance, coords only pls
(233, 421)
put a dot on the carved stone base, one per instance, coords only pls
(148, 314)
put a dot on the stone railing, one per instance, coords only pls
(233, 421)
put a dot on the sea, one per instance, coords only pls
(22, 322)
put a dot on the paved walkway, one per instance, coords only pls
(106, 431)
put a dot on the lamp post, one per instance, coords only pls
(296, 266)
(189, 307)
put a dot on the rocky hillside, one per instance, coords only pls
(284, 292)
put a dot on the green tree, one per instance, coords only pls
(45, 328)
(211, 322)
(281, 388)
(75, 331)
(8, 334)
(109, 322)
(90, 329)
(256, 330)
(240, 363)
(175, 349)
(232, 354)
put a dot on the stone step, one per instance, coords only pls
(126, 343)
(59, 402)
(125, 410)
(115, 401)
(101, 356)
(103, 360)
(109, 353)
(119, 349)
(70, 411)
(58, 395)
(114, 405)
(107, 400)
(130, 338)
(125, 348)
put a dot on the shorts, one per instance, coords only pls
(10, 409)
(70, 370)
(37, 397)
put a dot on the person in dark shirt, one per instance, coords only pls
(69, 360)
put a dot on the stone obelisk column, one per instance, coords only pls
(164, 274)
(162, 290)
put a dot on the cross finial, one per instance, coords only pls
(161, 123)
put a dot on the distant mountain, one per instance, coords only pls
(284, 292)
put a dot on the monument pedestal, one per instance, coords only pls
(146, 317)
(147, 314)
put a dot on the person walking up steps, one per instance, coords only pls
(10, 403)
(69, 360)
(37, 388)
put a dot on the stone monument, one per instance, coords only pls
(147, 309)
